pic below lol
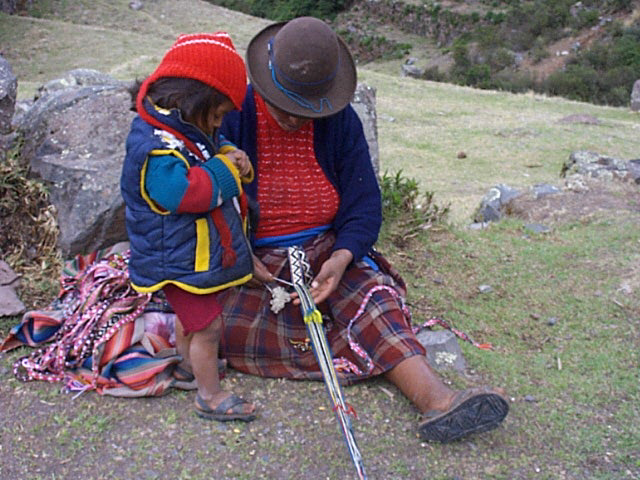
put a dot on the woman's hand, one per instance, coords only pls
(260, 273)
(330, 274)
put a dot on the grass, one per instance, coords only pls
(516, 139)
(573, 380)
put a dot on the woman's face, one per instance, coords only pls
(286, 121)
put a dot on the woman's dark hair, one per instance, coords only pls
(193, 98)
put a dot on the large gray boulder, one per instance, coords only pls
(75, 136)
(8, 91)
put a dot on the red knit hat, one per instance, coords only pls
(208, 57)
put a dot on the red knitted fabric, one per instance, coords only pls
(294, 194)
(208, 57)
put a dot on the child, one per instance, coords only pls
(185, 210)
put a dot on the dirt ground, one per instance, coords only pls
(48, 433)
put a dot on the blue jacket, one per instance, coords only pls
(183, 248)
(343, 154)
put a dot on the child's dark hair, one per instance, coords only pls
(193, 98)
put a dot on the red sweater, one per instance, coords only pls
(294, 194)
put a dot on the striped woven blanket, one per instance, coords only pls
(98, 333)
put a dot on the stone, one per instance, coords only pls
(364, 103)
(10, 303)
(75, 136)
(494, 203)
(443, 350)
(592, 164)
(580, 118)
(8, 93)
(635, 97)
(412, 71)
(543, 189)
(537, 228)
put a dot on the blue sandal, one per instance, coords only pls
(229, 409)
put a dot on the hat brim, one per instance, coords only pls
(339, 95)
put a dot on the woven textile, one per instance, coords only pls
(259, 342)
(98, 334)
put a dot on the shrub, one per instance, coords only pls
(406, 211)
(577, 82)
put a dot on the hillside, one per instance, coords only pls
(580, 50)
(422, 125)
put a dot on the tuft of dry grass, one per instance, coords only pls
(30, 230)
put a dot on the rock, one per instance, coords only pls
(634, 170)
(75, 136)
(543, 189)
(79, 77)
(635, 97)
(494, 203)
(364, 103)
(595, 165)
(443, 350)
(537, 228)
(10, 303)
(411, 71)
(8, 92)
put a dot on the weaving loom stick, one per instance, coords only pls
(313, 320)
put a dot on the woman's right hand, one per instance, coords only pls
(260, 272)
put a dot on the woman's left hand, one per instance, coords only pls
(328, 278)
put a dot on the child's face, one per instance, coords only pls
(213, 120)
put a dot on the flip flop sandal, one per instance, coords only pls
(473, 410)
(221, 412)
(185, 380)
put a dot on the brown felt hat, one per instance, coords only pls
(302, 67)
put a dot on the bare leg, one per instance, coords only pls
(203, 352)
(182, 346)
(420, 384)
(449, 414)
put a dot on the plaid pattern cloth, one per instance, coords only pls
(259, 342)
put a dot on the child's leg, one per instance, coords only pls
(182, 346)
(203, 351)
(199, 317)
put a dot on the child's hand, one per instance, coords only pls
(241, 161)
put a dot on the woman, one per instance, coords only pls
(315, 187)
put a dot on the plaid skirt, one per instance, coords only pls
(367, 325)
